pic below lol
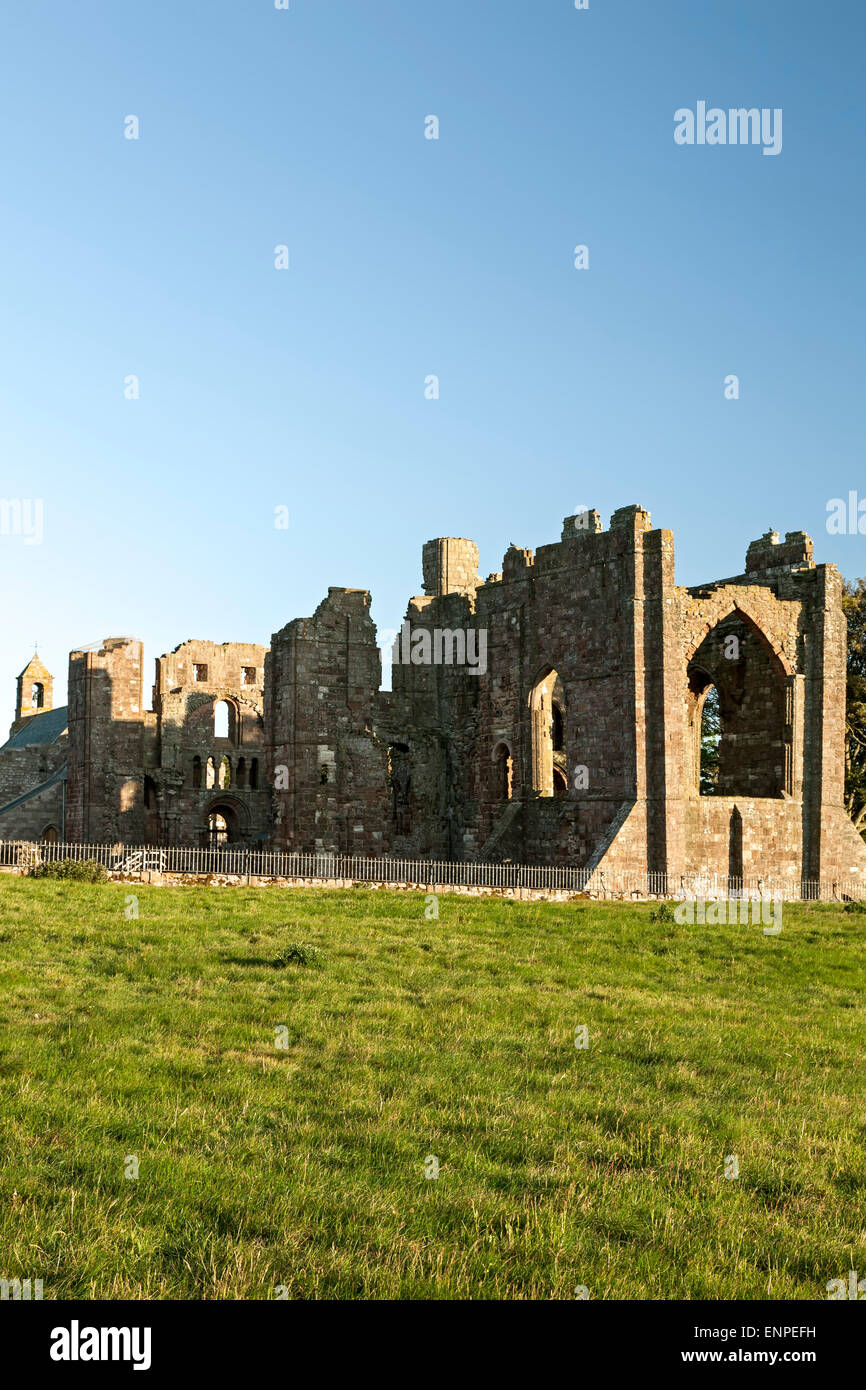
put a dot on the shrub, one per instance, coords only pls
(80, 870)
(662, 914)
(298, 954)
(855, 906)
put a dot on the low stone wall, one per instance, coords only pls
(559, 895)
(597, 891)
(553, 895)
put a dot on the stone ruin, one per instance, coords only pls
(550, 714)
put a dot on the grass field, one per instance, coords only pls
(409, 1039)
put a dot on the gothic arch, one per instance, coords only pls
(546, 701)
(741, 745)
(714, 612)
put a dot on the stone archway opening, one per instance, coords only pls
(225, 720)
(503, 773)
(709, 717)
(400, 779)
(737, 702)
(547, 717)
(225, 824)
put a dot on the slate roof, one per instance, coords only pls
(39, 729)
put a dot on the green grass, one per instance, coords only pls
(408, 1037)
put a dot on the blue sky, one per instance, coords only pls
(304, 388)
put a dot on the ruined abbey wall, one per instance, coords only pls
(197, 763)
(327, 764)
(551, 713)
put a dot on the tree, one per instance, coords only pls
(711, 736)
(854, 604)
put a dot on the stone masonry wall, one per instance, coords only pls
(326, 763)
(106, 743)
(550, 714)
(22, 769)
(194, 771)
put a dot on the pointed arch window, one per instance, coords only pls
(503, 772)
(547, 715)
(739, 713)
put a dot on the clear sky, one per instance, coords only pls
(305, 388)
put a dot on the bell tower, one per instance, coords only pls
(35, 691)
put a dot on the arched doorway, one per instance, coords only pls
(225, 823)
